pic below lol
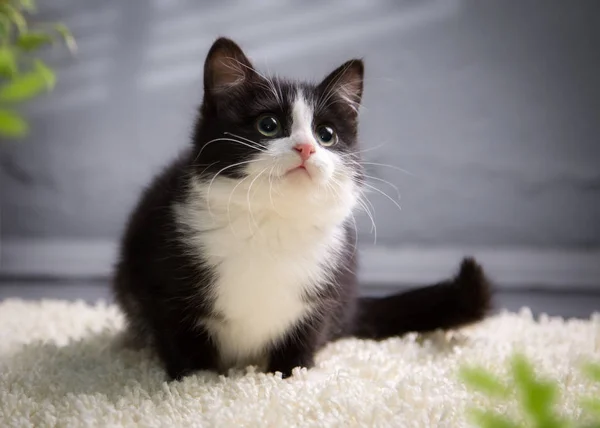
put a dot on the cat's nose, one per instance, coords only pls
(305, 150)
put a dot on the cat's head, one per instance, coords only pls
(268, 142)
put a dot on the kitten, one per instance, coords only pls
(243, 250)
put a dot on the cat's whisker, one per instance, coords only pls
(248, 198)
(386, 182)
(360, 200)
(389, 166)
(193, 173)
(368, 201)
(279, 89)
(260, 149)
(205, 165)
(372, 208)
(278, 94)
(216, 175)
(263, 146)
(355, 234)
(271, 190)
(384, 194)
(229, 204)
(336, 188)
(356, 152)
(361, 203)
(334, 191)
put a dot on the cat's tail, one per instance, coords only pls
(462, 300)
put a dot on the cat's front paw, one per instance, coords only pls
(286, 374)
(286, 367)
(177, 373)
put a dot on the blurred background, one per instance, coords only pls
(484, 115)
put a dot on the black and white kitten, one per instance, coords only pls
(242, 251)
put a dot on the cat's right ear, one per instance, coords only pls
(226, 67)
(347, 82)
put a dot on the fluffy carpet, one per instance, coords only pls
(61, 365)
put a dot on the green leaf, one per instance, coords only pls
(23, 87)
(28, 85)
(483, 381)
(29, 5)
(67, 36)
(11, 124)
(491, 420)
(45, 72)
(14, 16)
(537, 396)
(523, 371)
(8, 63)
(33, 40)
(5, 26)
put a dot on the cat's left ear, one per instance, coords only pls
(226, 67)
(346, 82)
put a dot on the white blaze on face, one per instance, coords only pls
(322, 164)
(302, 121)
(281, 155)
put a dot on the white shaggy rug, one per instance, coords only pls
(59, 366)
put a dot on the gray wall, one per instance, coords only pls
(493, 106)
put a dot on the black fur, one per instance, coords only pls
(164, 290)
(455, 303)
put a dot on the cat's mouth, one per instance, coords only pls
(300, 169)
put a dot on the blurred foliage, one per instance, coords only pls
(24, 76)
(537, 397)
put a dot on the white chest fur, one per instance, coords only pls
(263, 274)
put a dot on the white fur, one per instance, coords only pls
(271, 237)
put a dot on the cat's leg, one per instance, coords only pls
(185, 350)
(297, 349)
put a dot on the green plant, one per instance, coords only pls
(23, 75)
(537, 397)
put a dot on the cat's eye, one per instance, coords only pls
(268, 125)
(326, 135)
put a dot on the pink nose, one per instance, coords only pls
(305, 150)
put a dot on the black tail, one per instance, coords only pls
(463, 300)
